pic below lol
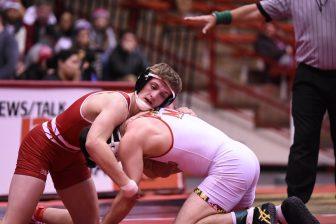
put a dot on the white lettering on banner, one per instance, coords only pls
(28, 108)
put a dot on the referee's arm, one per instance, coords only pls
(251, 12)
(246, 13)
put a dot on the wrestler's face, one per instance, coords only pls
(155, 92)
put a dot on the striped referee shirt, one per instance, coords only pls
(314, 24)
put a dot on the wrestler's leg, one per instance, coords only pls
(54, 216)
(24, 194)
(62, 216)
(217, 219)
(82, 202)
(194, 209)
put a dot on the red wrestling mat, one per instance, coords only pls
(153, 209)
(149, 221)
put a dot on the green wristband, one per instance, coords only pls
(224, 17)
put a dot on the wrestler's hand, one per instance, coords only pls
(186, 110)
(154, 169)
(208, 20)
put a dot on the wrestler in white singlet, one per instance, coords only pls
(230, 167)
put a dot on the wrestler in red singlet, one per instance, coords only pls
(53, 146)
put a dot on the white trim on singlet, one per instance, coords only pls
(48, 134)
(59, 136)
(51, 138)
(80, 109)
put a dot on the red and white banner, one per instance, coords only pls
(20, 111)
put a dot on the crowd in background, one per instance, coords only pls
(38, 44)
(35, 44)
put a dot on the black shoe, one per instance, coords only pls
(295, 211)
(264, 214)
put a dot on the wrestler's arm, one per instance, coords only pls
(111, 115)
(130, 154)
(154, 169)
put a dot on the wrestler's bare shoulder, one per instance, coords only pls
(153, 134)
(97, 102)
(102, 99)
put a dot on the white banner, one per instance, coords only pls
(20, 110)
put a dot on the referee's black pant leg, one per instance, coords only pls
(332, 117)
(308, 108)
(331, 108)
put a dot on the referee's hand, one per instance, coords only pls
(208, 20)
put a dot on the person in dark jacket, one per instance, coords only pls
(126, 62)
(9, 52)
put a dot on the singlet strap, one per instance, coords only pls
(127, 98)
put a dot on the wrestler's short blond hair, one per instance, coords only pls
(168, 74)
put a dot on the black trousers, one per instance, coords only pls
(314, 93)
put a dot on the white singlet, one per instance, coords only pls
(230, 168)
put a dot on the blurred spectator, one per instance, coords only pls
(27, 3)
(183, 7)
(88, 70)
(82, 34)
(102, 36)
(65, 26)
(41, 8)
(40, 24)
(86, 54)
(65, 31)
(126, 62)
(9, 52)
(273, 50)
(13, 14)
(66, 65)
(36, 64)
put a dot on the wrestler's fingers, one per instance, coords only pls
(186, 110)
